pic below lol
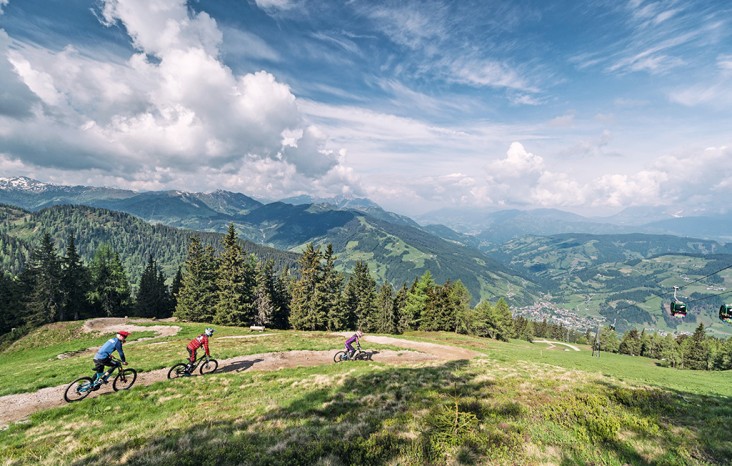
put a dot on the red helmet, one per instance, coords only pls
(123, 333)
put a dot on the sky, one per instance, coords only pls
(586, 106)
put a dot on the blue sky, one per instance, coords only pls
(587, 106)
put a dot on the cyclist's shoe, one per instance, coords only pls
(186, 374)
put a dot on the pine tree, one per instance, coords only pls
(304, 314)
(75, 284)
(400, 302)
(175, 287)
(110, 289)
(264, 299)
(631, 343)
(197, 295)
(235, 283)
(695, 350)
(328, 293)
(11, 305)
(387, 319)
(416, 301)
(282, 298)
(504, 320)
(152, 296)
(44, 279)
(360, 298)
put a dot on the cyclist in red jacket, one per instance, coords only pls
(200, 340)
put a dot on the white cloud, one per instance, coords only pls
(185, 110)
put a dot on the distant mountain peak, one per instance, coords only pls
(23, 183)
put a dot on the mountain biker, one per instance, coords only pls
(104, 355)
(200, 340)
(349, 343)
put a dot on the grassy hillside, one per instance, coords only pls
(518, 403)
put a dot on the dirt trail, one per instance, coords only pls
(115, 324)
(17, 407)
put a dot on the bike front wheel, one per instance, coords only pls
(177, 371)
(124, 380)
(79, 389)
(340, 356)
(207, 367)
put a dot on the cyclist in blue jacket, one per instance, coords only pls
(104, 355)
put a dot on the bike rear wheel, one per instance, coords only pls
(79, 389)
(207, 367)
(124, 380)
(177, 371)
(340, 356)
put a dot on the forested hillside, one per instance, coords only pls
(133, 239)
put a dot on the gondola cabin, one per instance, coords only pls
(725, 312)
(677, 309)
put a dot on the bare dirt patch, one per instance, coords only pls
(20, 406)
(116, 324)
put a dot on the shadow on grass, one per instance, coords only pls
(238, 366)
(434, 415)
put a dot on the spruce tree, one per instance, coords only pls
(197, 295)
(11, 306)
(236, 282)
(110, 289)
(264, 298)
(360, 298)
(504, 320)
(152, 296)
(175, 287)
(328, 293)
(695, 350)
(75, 284)
(304, 314)
(416, 301)
(387, 319)
(43, 276)
(282, 298)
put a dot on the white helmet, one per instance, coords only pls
(209, 331)
(359, 333)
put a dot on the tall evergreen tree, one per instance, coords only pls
(387, 317)
(416, 301)
(152, 295)
(197, 295)
(400, 302)
(360, 297)
(695, 350)
(75, 284)
(503, 319)
(282, 298)
(175, 287)
(631, 343)
(110, 289)
(328, 293)
(11, 305)
(236, 284)
(304, 314)
(264, 296)
(44, 278)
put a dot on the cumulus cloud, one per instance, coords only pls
(172, 110)
(3, 3)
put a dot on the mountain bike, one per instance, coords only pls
(358, 355)
(179, 370)
(83, 386)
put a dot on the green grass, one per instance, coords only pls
(518, 404)
(33, 362)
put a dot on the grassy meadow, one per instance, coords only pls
(519, 403)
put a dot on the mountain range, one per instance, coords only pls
(396, 248)
(594, 268)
